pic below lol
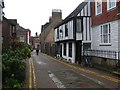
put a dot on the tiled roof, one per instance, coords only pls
(13, 21)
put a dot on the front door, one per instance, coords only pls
(78, 51)
(60, 50)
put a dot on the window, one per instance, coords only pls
(111, 4)
(65, 49)
(98, 5)
(78, 25)
(57, 33)
(66, 30)
(105, 34)
(22, 39)
(70, 49)
(13, 29)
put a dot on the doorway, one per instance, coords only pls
(78, 52)
(60, 50)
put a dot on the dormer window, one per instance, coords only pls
(111, 4)
(98, 5)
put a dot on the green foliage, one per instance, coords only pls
(13, 83)
(118, 70)
(13, 65)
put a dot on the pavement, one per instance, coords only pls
(108, 70)
(113, 72)
(48, 72)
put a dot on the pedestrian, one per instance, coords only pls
(37, 51)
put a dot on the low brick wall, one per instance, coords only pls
(104, 62)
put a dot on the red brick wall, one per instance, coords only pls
(6, 32)
(21, 33)
(106, 16)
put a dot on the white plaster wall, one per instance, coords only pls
(89, 9)
(78, 36)
(96, 40)
(118, 35)
(55, 35)
(73, 52)
(84, 29)
(67, 52)
(70, 31)
(86, 9)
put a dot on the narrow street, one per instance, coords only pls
(47, 72)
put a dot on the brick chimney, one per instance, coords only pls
(56, 14)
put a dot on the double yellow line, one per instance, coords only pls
(87, 71)
(32, 76)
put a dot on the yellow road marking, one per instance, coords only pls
(34, 76)
(30, 75)
(87, 71)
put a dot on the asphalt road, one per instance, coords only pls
(47, 72)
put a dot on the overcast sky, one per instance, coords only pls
(32, 14)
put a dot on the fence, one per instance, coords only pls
(102, 54)
(105, 58)
(118, 59)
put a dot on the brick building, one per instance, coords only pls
(106, 25)
(105, 46)
(23, 35)
(47, 32)
(35, 41)
(73, 34)
(8, 31)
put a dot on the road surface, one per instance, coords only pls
(44, 71)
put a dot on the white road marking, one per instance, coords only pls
(97, 81)
(56, 81)
(39, 62)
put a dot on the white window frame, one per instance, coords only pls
(96, 9)
(110, 1)
(22, 39)
(103, 35)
